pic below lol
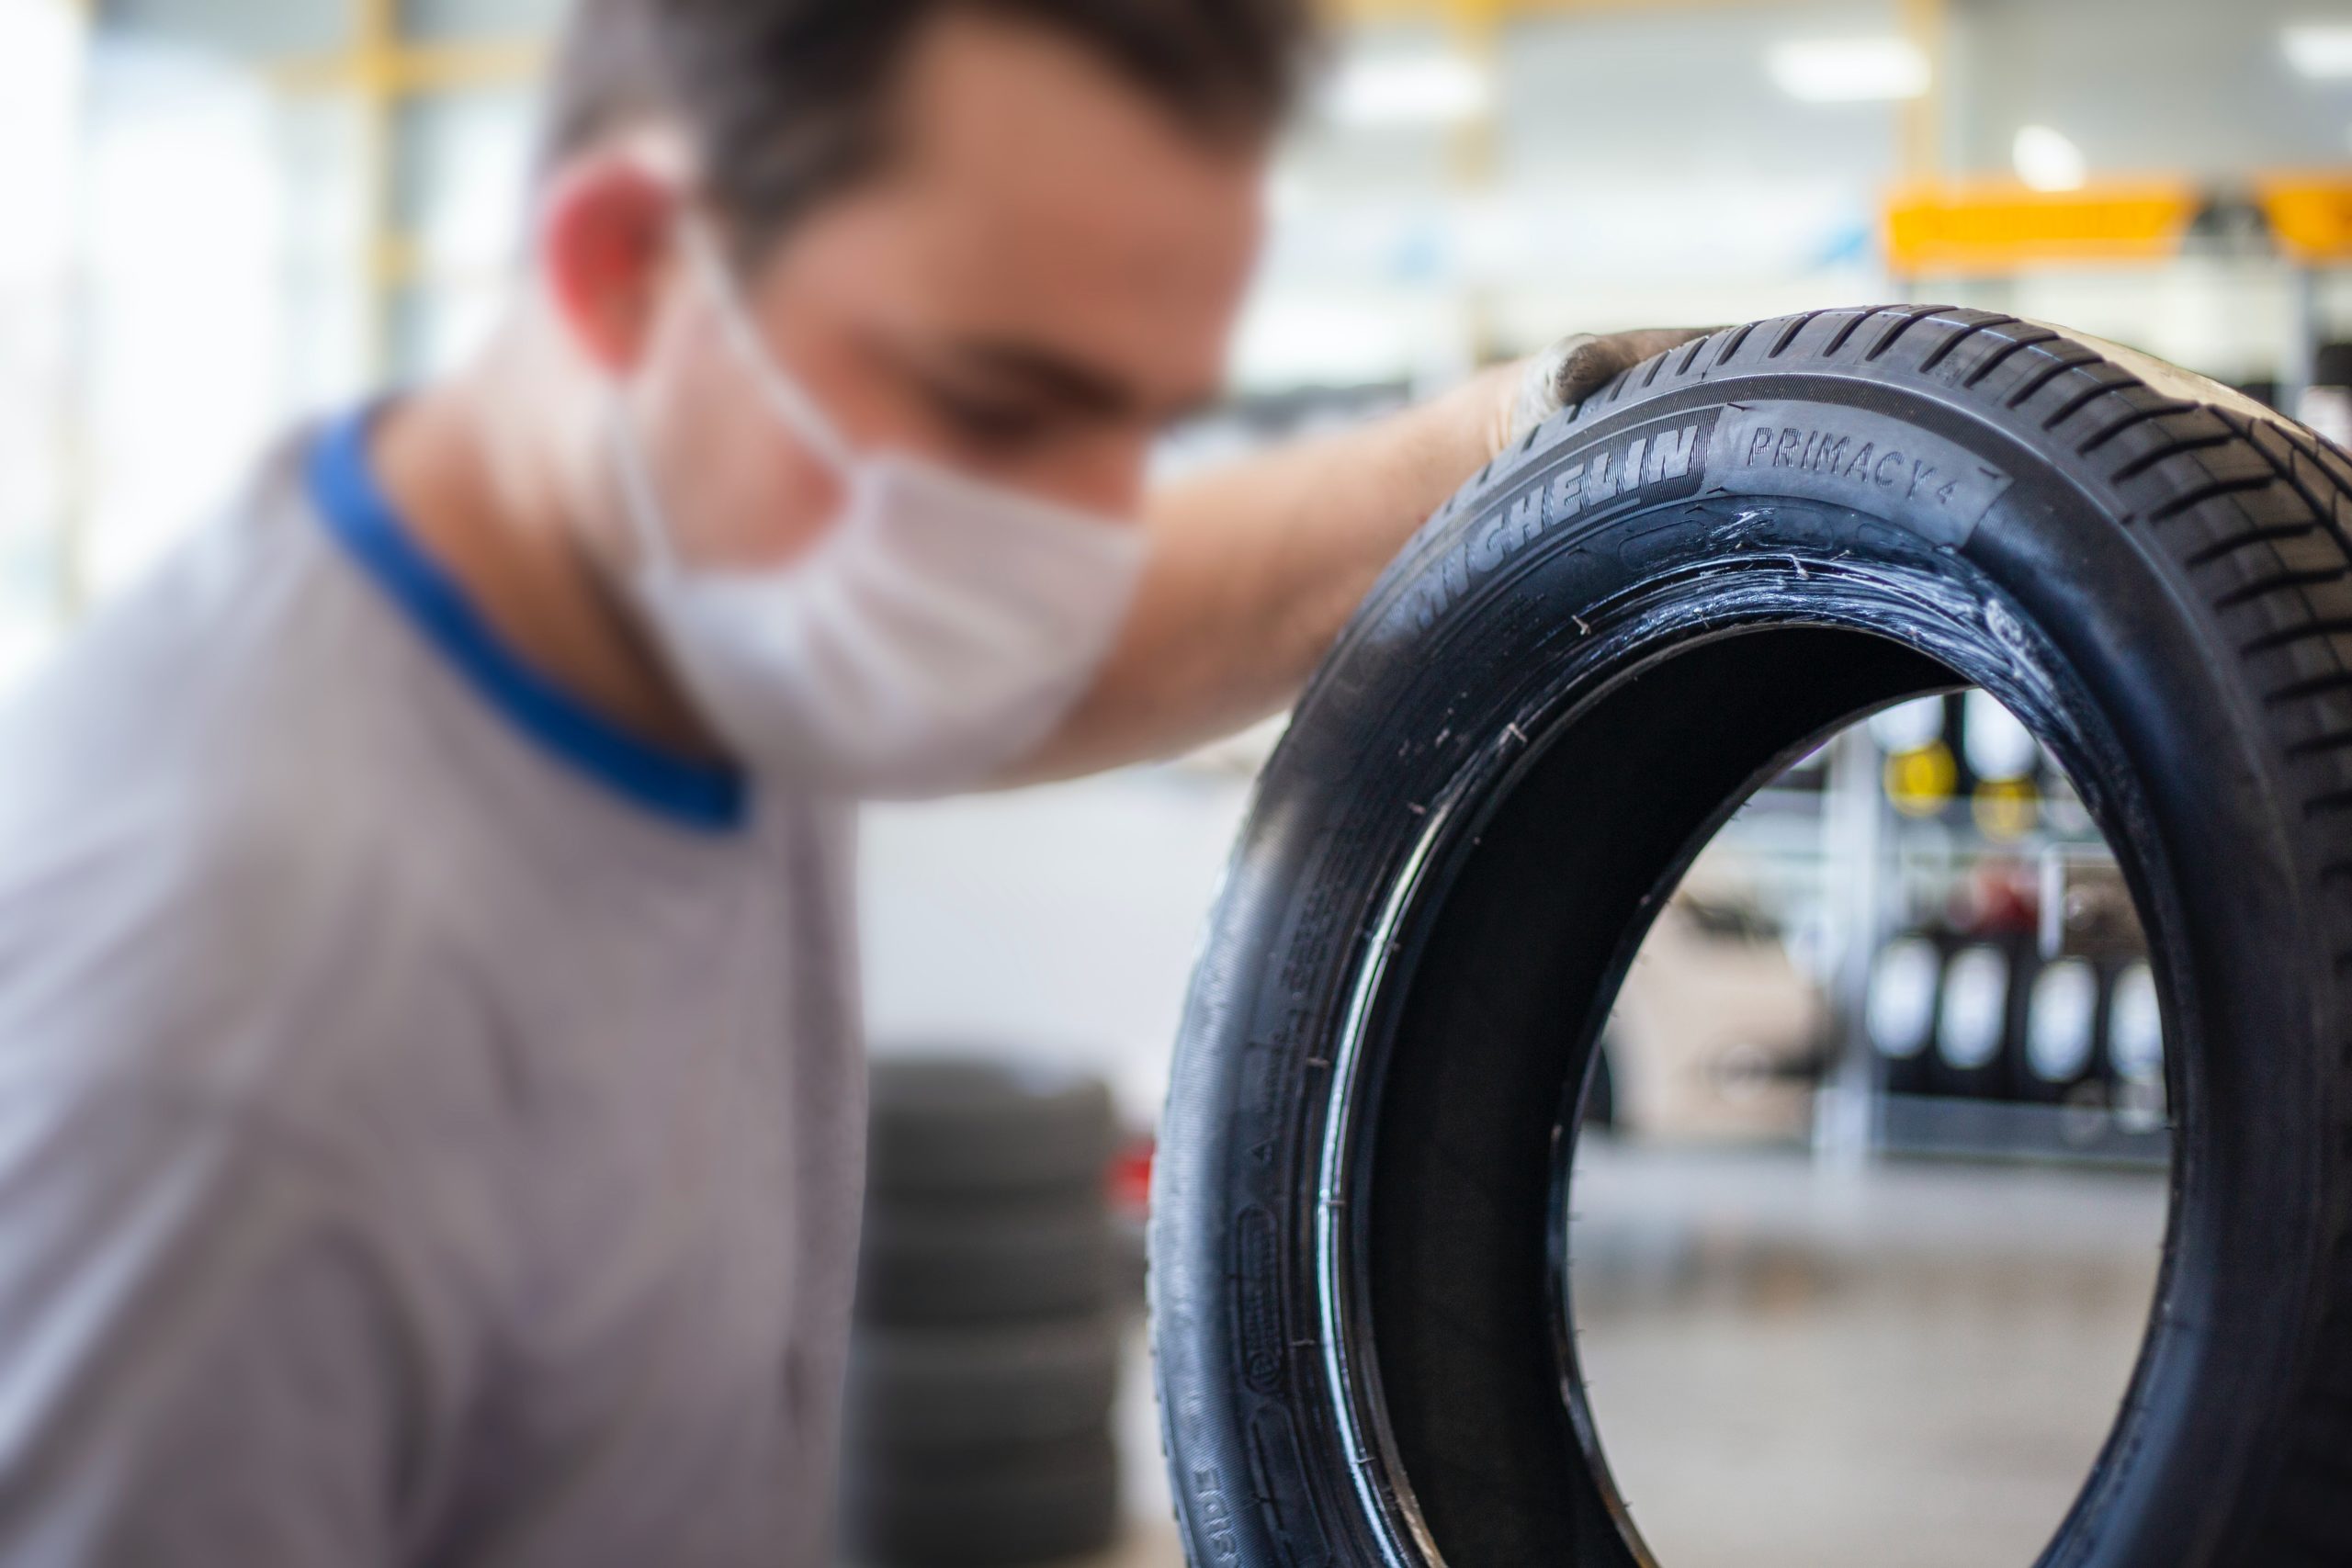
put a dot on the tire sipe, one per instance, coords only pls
(1573, 675)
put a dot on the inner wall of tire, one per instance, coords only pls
(1515, 959)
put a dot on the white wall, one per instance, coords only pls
(1059, 923)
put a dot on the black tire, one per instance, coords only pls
(989, 1262)
(1543, 711)
(1032, 1503)
(959, 1128)
(918, 1391)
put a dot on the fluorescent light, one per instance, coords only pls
(2049, 160)
(2320, 49)
(1423, 89)
(1850, 70)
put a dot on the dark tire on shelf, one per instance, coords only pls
(1550, 702)
(923, 1390)
(994, 1261)
(958, 1128)
(999, 1507)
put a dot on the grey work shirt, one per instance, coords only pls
(430, 1120)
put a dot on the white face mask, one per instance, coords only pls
(938, 633)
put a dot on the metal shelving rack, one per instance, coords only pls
(1838, 853)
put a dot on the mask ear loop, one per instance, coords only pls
(791, 402)
(638, 499)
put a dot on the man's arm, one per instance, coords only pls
(1257, 566)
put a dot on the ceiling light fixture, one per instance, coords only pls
(1425, 89)
(2321, 50)
(2049, 160)
(1850, 70)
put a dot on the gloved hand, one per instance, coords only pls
(1576, 367)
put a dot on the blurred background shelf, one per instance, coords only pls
(1921, 1126)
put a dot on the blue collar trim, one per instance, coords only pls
(344, 488)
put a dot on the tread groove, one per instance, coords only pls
(2329, 515)
(2141, 463)
(2331, 803)
(2271, 642)
(2136, 418)
(2323, 453)
(2321, 745)
(2281, 582)
(2320, 685)
(1893, 334)
(2237, 542)
(2215, 490)
(1796, 325)
(2317, 686)
(1733, 347)
(2002, 355)
(2077, 404)
(1846, 333)
(2049, 373)
(1944, 349)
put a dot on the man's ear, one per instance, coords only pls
(607, 223)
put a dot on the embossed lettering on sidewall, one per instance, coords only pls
(1853, 458)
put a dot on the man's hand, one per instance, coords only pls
(1576, 367)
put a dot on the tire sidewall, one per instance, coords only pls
(1474, 632)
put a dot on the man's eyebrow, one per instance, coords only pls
(1072, 382)
(1055, 376)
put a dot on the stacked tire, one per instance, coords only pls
(985, 1366)
(1983, 1016)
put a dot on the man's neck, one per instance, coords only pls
(475, 469)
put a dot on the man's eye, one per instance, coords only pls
(988, 422)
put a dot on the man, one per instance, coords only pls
(430, 1099)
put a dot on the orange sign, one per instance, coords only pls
(1973, 230)
(2310, 215)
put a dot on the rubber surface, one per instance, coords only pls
(1550, 702)
(985, 1262)
(921, 1391)
(1024, 1504)
(949, 1126)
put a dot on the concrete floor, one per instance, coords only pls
(1798, 1368)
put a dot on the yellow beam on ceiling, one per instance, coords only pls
(1354, 12)
(374, 50)
(382, 70)
(1474, 29)
(1927, 24)
(412, 68)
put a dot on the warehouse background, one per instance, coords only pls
(224, 215)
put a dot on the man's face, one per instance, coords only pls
(1042, 275)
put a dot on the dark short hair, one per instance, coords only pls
(787, 99)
